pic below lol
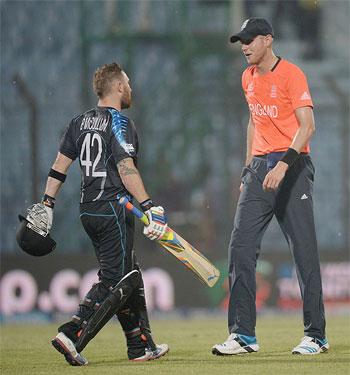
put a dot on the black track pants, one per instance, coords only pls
(293, 207)
(111, 230)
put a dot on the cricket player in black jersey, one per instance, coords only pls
(106, 144)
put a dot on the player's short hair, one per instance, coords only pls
(104, 76)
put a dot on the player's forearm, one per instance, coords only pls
(132, 180)
(306, 128)
(302, 138)
(134, 185)
(57, 174)
(52, 187)
(250, 136)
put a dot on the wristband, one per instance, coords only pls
(146, 205)
(290, 156)
(48, 201)
(57, 175)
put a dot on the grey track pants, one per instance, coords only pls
(293, 207)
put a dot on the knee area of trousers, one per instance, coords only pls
(242, 257)
(93, 299)
(98, 291)
(241, 241)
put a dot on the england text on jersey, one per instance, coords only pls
(272, 99)
(263, 110)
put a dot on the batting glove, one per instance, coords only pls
(49, 212)
(40, 217)
(157, 223)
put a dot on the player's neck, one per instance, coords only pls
(109, 102)
(267, 63)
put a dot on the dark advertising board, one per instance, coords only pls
(55, 284)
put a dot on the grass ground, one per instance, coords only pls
(26, 350)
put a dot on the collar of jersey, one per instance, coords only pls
(114, 109)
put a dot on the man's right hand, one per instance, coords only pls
(157, 223)
(274, 177)
(241, 187)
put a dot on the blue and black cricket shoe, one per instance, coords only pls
(311, 345)
(236, 344)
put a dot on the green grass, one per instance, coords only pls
(26, 349)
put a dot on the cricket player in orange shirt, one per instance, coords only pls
(276, 180)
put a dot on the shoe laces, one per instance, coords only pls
(231, 337)
(308, 339)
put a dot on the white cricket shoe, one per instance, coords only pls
(66, 347)
(236, 344)
(161, 350)
(311, 345)
(146, 357)
(150, 354)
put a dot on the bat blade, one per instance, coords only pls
(181, 249)
(190, 257)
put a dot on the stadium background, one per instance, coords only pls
(191, 117)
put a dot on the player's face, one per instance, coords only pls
(255, 50)
(126, 94)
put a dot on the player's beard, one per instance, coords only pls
(126, 101)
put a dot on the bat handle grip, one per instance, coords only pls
(124, 201)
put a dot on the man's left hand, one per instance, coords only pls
(274, 178)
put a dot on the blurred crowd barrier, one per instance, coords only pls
(44, 289)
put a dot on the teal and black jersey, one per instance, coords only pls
(100, 138)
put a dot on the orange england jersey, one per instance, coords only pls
(272, 99)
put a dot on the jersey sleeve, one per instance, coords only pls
(124, 142)
(299, 89)
(67, 144)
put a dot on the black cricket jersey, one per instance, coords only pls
(100, 138)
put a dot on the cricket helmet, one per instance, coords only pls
(31, 242)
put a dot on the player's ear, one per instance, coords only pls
(117, 85)
(268, 40)
(120, 85)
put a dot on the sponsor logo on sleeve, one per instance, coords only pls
(305, 96)
(128, 147)
(250, 89)
(273, 91)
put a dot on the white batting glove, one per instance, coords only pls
(40, 216)
(49, 203)
(49, 211)
(157, 223)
